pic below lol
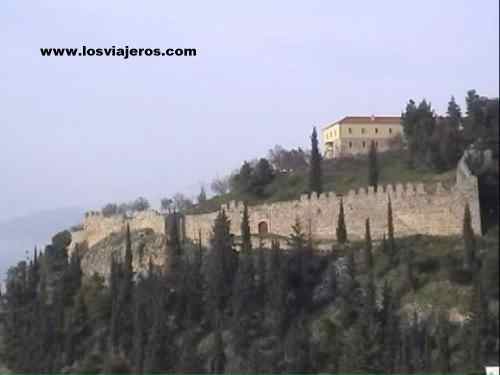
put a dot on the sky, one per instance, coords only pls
(83, 131)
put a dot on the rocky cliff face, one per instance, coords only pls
(146, 244)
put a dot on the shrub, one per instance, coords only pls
(460, 276)
(428, 265)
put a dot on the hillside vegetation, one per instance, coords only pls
(339, 176)
(263, 311)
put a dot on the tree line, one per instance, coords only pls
(439, 141)
(220, 310)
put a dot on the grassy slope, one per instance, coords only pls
(339, 176)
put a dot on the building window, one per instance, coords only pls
(376, 144)
(364, 144)
(350, 144)
(362, 130)
(350, 131)
(390, 130)
(376, 130)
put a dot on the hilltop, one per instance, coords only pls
(339, 176)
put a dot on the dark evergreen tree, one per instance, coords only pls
(330, 348)
(244, 292)
(341, 227)
(469, 240)
(218, 358)
(263, 175)
(298, 349)
(477, 328)
(368, 255)
(242, 182)
(443, 344)
(391, 245)
(122, 307)
(174, 252)
(454, 113)
(390, 331)
(72, 277)
(260, 277)
(157, 357)
(221, 265)
(195, 286)
(361, 353)
(202, 197)
(298, 264)
(246, 237)
(77, 331)
(373, 168)
(141, 318)
(315, 173)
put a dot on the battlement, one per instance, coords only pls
(418, 208)
(432, 209)
(394, 191)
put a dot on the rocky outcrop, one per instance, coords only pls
(146, 245)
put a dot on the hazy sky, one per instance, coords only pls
(80, 131)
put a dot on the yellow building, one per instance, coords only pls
(353, 135)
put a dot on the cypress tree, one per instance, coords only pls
(221, 265)
(373, 169)
(390, 332)
(315, 174)
(196, 286)
(139, 338)
(244, 292)
(173, 250)
(443, 338)
(125, 302)
(478, 326)
(341, 227)
(360, 354)
(260, 278)
(274, 263)
(245, 231)
(218, 360)
(121, 284)
(390, 230)
(72, 278)
(128, 269)
(114, 289)
(469, 240)
(297, 349)
(278, 290)
(454, 113)
(77, 330)
(157, 357)
(368, 261)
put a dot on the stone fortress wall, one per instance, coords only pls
(433, 210)
(96, 227)
(417, 209)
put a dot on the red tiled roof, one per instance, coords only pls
(368, 120)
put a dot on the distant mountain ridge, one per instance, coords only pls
(19, 236)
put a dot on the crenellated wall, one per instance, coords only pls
(417, 209)
(433, 210)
